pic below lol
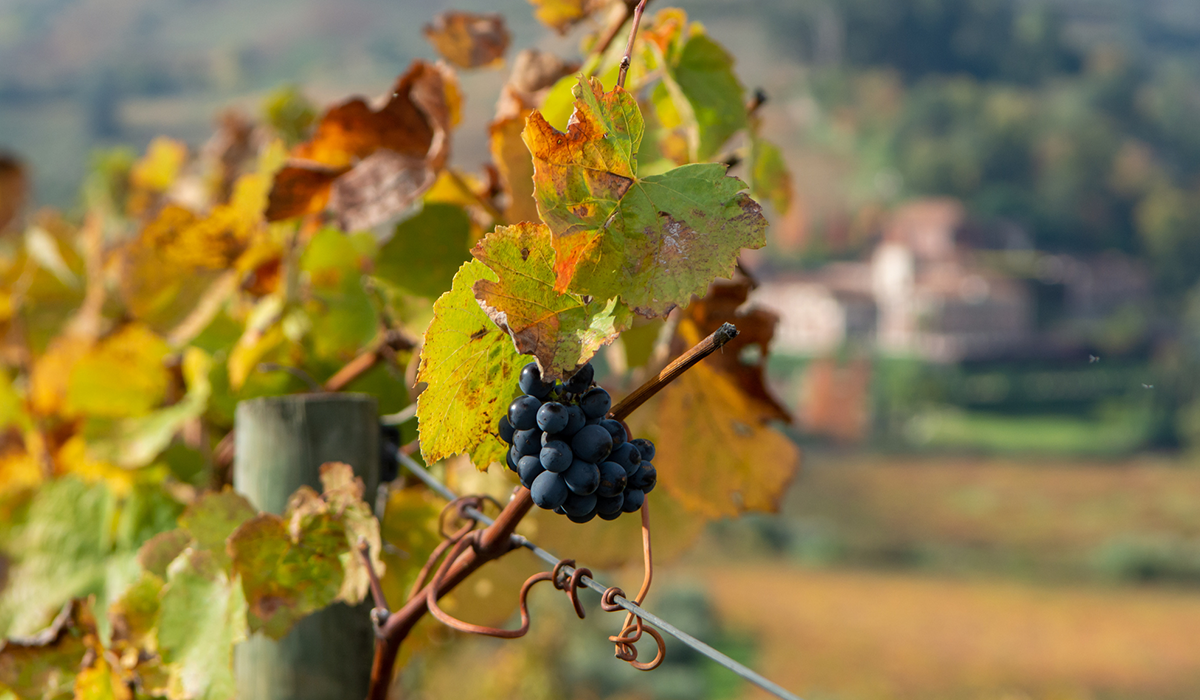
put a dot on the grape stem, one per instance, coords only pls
(673, 371)
(627, 58)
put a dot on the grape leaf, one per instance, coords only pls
(561, 15)
(471, 369)
(135, 614)
(368, 164)
(199, 647)
(655, 241)
(563, 331)
(716, 453)
(213, 518)
(467, 39)
(157, 553)
(45, 665)
(341, 313)
(123, 375)
(304, 560)
(13, 189)
(438, 237)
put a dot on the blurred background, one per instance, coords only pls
(989, 290)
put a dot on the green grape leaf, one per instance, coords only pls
(471, 368)
(135, 613)
(293, 565)
(213, 518)
(563, 331)
(284, 579)
(340, 311)
(708, 96)
(122, 376)
(426, 250)
(769, 176)
(157, 553)
(653, 241)
(45, 665)
(202, 616)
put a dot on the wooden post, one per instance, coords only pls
(281, 443)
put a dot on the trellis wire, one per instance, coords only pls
(775, 689)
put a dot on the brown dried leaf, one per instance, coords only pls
(467, 39)
(372, 164)
(13, 189)
(743, 359)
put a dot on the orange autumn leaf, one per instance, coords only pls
(467, 39)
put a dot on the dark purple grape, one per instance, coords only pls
(645, 448)
(633, 501)
(615, 429)
(582, 477)
(531, 382)
(528, 468)
(556, 456)
(609, 516)
(610, 505)
(522, 412)
(510, 459)
(506, 430)
(595, 403)
(575, 420)
(528, 442)
(581, 518)
(580, 505)
(581, 380)
(552, 417)
(627, 456)
(645, 478)
(591, 444)
(548, 490)
(612, 479)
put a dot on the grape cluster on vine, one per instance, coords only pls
(573, 458)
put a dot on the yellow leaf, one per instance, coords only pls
(122, 376)
(157, 170)
(51, 372)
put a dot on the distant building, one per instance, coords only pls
(925, 291)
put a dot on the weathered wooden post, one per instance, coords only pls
(281, 443)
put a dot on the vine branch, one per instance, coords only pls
(627, 58)
(671, 372)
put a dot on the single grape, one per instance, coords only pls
(556, 456)
(528, 468)
(506, 430)
(645, 478)
(633, 501)
(510, 459)
(548, 490)
(645, 448)
(592, 444)
(595, 403)
(531, 382)
(612, 479)
(575, 420)
(528, 442)
(552, 417)
(580, 505)
(627, 456)
(581, 518)
(610, 505)
(581, 380)
(609, 516)
(582, 477)
(615, 429)
(522, 412)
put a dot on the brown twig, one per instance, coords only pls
(364, 549)
(627, 58)
(613, 28)
(671, 372)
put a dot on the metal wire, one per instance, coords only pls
(775, 689)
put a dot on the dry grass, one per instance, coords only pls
(870, 636)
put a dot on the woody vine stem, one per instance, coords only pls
(472, 549)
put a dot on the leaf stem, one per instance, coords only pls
(627, 58)
(673, 371)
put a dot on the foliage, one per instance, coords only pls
(314, 249)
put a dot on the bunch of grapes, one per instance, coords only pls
(573, 459)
